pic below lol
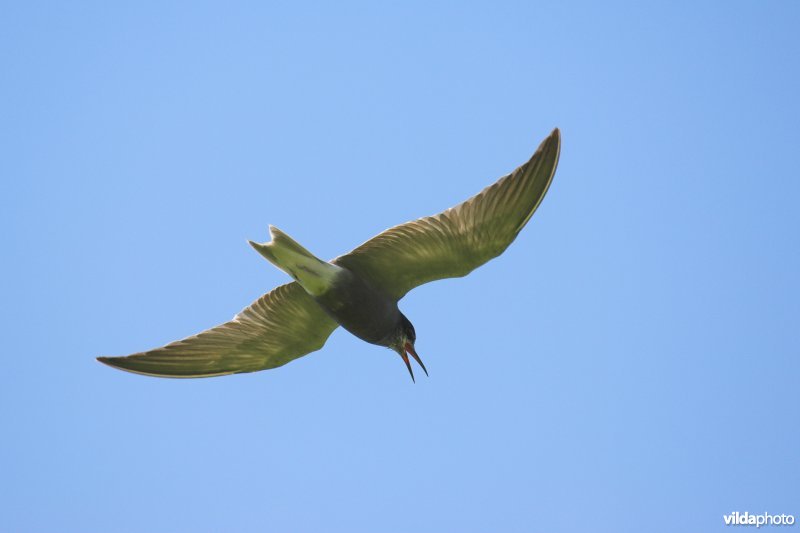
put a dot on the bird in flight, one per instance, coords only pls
(360, 289)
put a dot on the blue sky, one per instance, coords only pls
(629, 364)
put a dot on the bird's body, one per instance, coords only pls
(359, 290)
(362, 310)
(347, 298)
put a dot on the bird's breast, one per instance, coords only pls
(360, 309)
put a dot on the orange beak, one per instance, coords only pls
(409, 349)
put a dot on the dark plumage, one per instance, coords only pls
(360, 289)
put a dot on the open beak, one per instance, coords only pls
(409, 349)
(404, 355)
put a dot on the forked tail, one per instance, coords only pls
(315, 275)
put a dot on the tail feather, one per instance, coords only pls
(282, 240)
(280, 247)
(312, 273)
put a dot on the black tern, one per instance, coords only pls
(359, 290)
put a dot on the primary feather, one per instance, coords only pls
(284, 324)
(460, 239)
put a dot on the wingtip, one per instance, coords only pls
(550, 142)
(557, 136)
(553, 141)
(109, 362)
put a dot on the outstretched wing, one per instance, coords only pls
(284, 324)
(456, 242)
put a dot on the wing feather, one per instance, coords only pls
(460, 239)
(284, 324)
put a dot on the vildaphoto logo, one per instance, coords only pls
(758, 520)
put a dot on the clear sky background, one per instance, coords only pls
(629, 364)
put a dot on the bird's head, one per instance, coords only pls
(403, 343)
